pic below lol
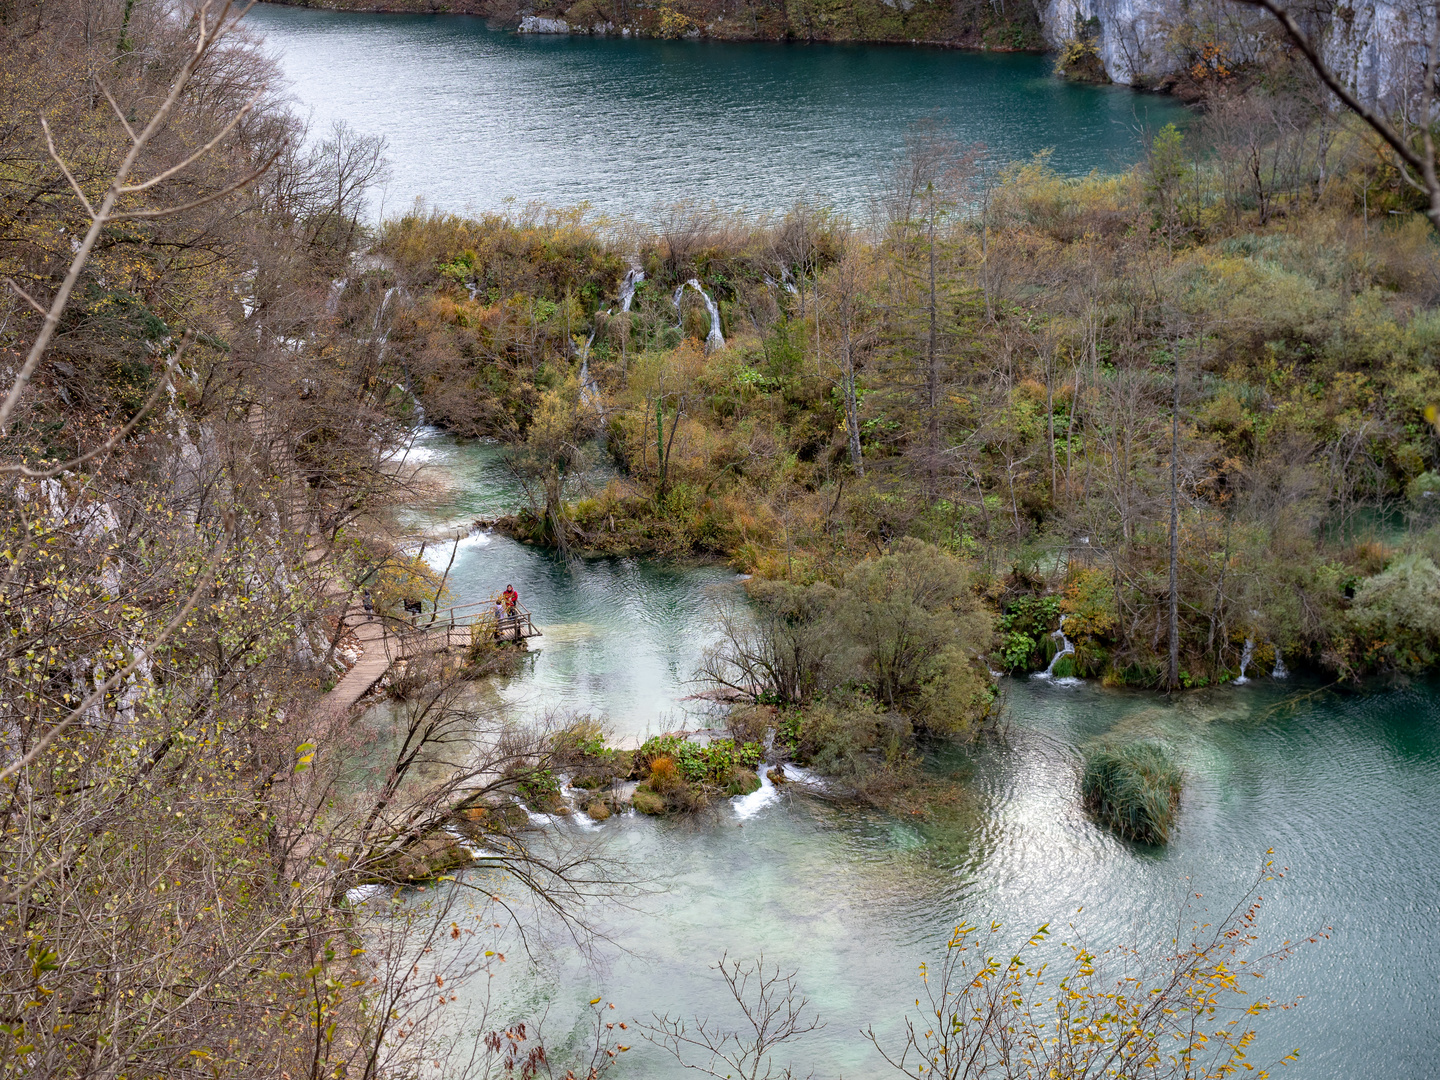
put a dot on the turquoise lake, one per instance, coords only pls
(475, 116)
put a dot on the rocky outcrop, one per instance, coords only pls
(1149, 42)
(1131, 37)
(536, 24)
(1374, 44)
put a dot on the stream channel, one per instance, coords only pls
(1344, 787)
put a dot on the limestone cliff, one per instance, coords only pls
(1148, 42)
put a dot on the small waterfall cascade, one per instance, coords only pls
(1280, 671)
(714, 339)
(589, 391)
(1246, 655)
(337, 289)
(384, 303)
(787, 285)
(380, 317)
(385, 340)
(1067, 648)
(632, 278)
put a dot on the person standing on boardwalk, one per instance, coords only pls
(511, 598)
(369, 602)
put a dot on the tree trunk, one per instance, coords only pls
(1050, 417)
(1173, 681)
(852, 411)
(933, 359)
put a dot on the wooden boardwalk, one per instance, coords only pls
(378, 651)
(381, 646)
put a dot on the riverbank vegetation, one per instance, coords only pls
(930, 436)
(969, 25)
(1023, 370)
(198, 461)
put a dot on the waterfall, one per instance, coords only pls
(788, 286)
(385, 337)
(337, 289)
(715, 339)
(1280, 671)
(633, 277)
(1067, 648)
(589, 392)
(384, 303)
(385, 340)
(1245, 657)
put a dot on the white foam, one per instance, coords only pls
(747, 806)
(360, 893)
(795, 774)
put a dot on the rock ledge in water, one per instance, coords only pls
(536, 24)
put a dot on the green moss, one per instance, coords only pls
(742, 783)
(648, 801)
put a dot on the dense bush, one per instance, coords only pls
(714, 762)
(1396, 614)
(905, 629)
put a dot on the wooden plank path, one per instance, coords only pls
(377, 649)
(381, 647)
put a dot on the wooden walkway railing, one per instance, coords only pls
(479, 616)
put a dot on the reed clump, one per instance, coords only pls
(1132, 788)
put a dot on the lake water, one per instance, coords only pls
(1344, 787)
(475, 116)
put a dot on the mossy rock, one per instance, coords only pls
(505, 818)
(598, 811)
(777, 775)
(647, 801)
(548, 802)
(426, 858)
(742, 783)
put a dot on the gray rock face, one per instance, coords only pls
(1371, 44)
(535, 24)
(1132, 36)
(1377, 46)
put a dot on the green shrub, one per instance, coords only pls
(540, 790)
(1026, 623)
(582, 740)
(1396, 614)
(697, 763)
(1132, 788)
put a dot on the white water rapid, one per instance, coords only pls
(1246, 655)
(1067, 648)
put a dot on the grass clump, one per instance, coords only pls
(1132, 788)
